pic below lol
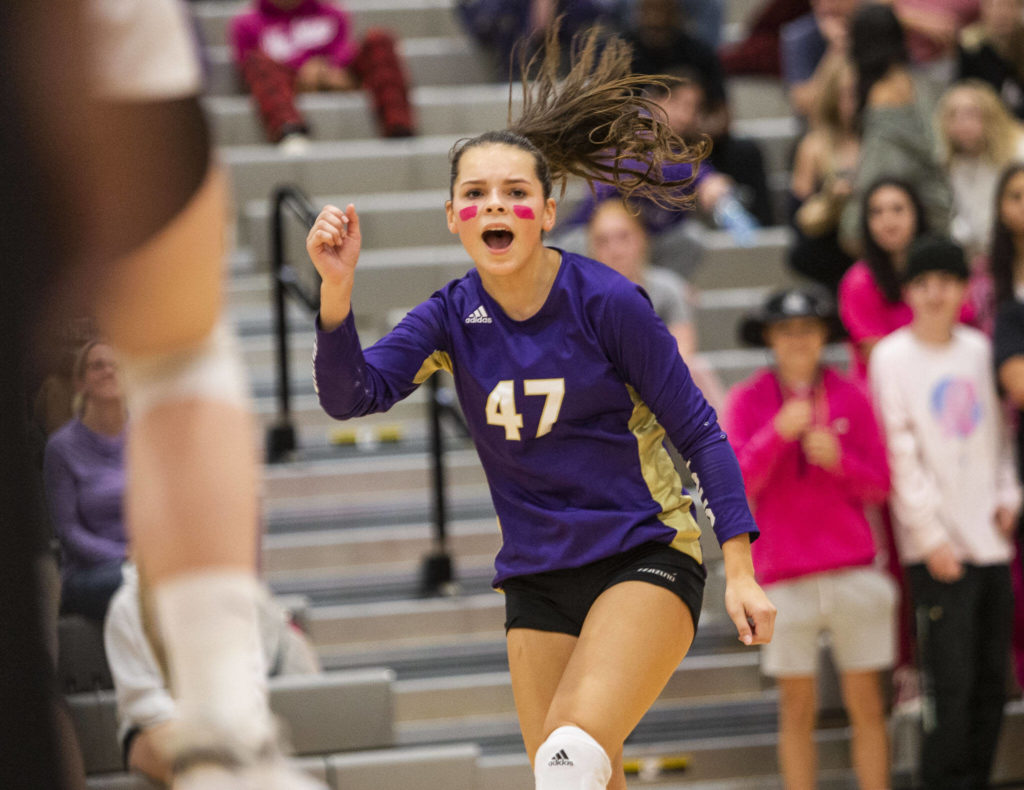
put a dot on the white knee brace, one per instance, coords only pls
(571, 760)
(212, 370)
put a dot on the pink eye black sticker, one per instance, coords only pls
(523, 212)
(467, 213)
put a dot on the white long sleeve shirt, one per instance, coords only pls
(949, 453)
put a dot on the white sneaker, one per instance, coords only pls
(294, 144)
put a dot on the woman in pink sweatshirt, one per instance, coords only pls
(813, 457)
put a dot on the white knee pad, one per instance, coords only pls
(212, 370)
(571, 760)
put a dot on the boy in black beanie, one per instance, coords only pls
(955, 501)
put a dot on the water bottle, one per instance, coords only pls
(731, 217)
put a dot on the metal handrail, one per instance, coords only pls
(437, 573)
(281, 438)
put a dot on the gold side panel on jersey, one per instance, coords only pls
(439, 360)
(662, 479)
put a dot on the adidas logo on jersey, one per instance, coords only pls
(478, 316)
(560, 758)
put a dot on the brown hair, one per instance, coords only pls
(593, 122)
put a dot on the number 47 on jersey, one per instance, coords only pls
(501, 405)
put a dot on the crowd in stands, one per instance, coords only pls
(886, 493)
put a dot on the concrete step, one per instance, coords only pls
(379, 481)
(378, 550)
(719, 312)
(346, 634)
(740, 11)
(352, 168)
(434, 60)
(725, 759)
(749, 761)
(759, 109)
(432, 702)
(308, 704)
(752, 98)
(425, 768)
(728, 265)
(358, 628)
(453, 111)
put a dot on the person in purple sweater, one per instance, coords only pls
(83, 468)
(806, 434)
(570, 384)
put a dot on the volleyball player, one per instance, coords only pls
(117, 208)
(569, 384)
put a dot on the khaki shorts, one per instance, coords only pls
(852, 611)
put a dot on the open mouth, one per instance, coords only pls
(498, 239)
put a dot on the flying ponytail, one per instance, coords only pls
(598, 123)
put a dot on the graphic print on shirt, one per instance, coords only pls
(501, 405)
(282, 43)
(956, 407)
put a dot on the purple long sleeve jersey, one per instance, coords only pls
(568, 409)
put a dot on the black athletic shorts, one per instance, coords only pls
(559, 600)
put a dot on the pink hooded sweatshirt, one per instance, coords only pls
(291, 37)
(812, 519)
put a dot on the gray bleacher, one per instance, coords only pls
(418, 693)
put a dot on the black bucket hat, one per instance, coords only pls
(935, 254)
(799, 302)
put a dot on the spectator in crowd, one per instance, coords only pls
(739, 158)
(932, 27)
(758, 51)
(871, 306)
(806, 46)
(501, 26)
(617, 238)
(978, 138)
(1006, 257)
(672, 238)
(822, 179)
(696, 110)
(54, 397)
(662, 45)
(83, 468)
(870, 300)
(138, 665)
(703, 18)
(894, 112)
(992, 50)
(955, 504)
(805, 433)
(1007, 268)
(282, 47)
